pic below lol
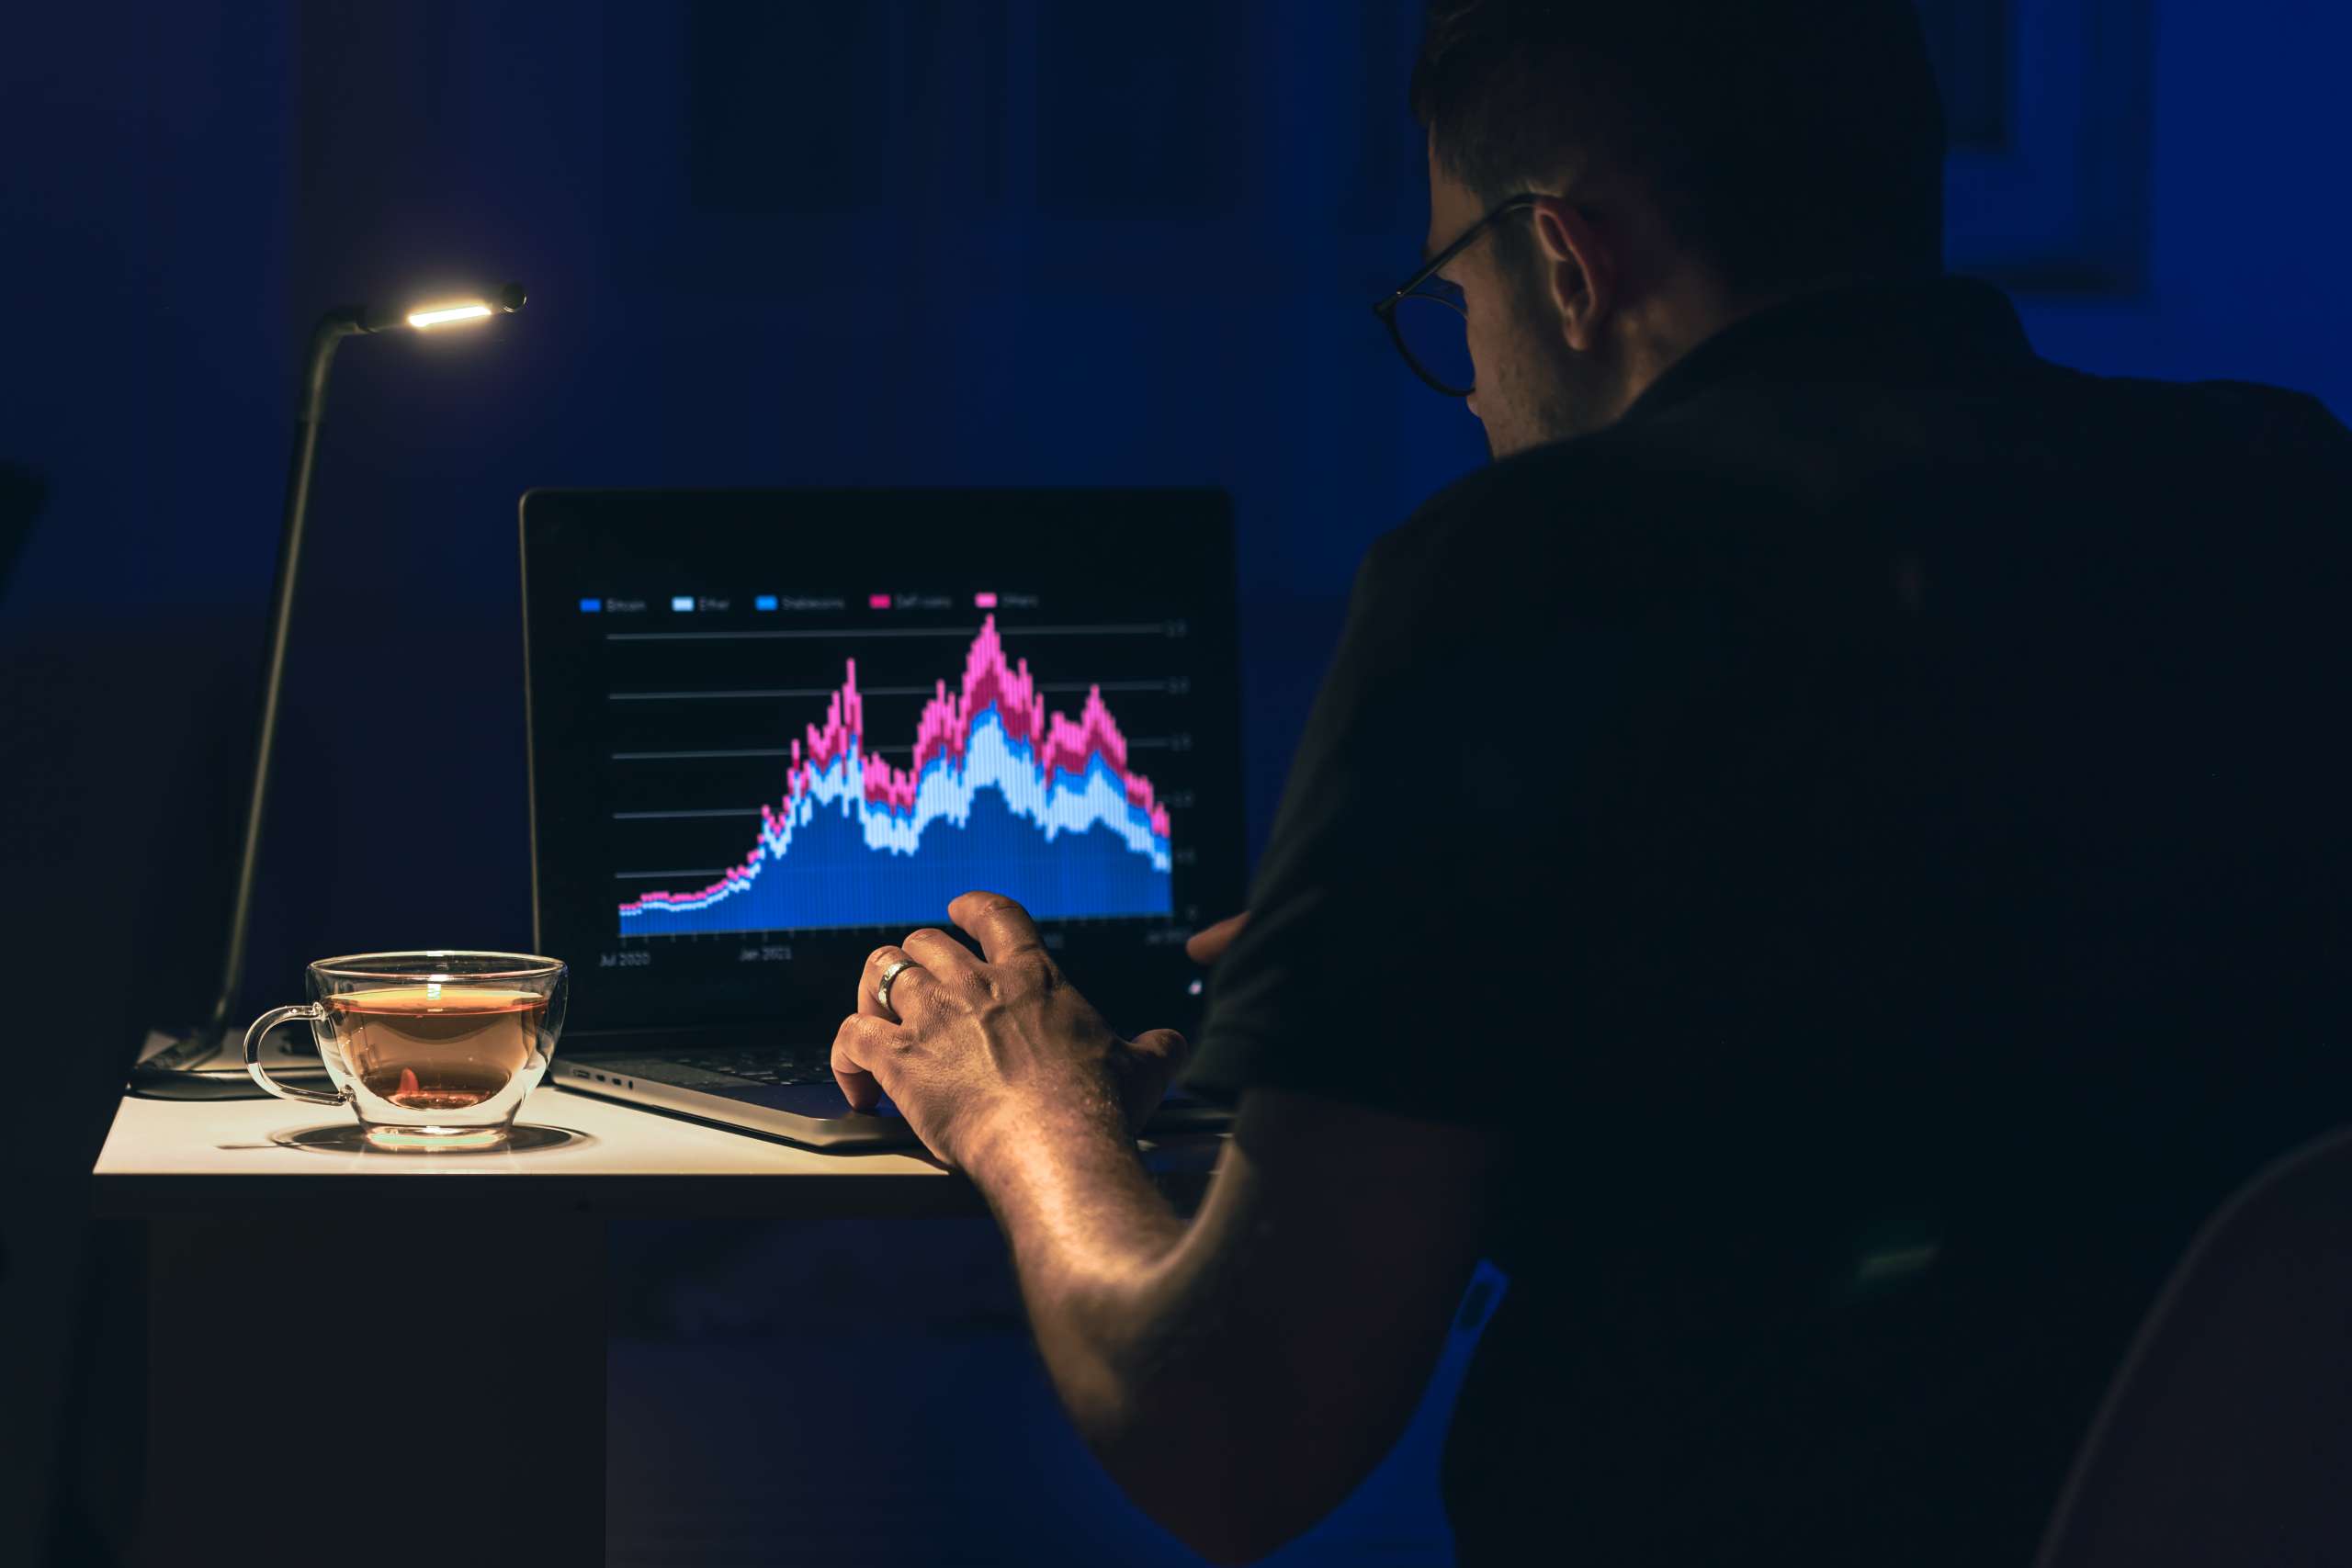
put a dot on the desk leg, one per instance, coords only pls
(360, 1391)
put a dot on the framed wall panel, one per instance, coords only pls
(2047, 106)
(2057, 202)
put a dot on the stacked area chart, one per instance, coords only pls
(999, 793)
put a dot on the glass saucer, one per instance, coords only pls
(351, 1138)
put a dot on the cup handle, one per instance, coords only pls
(310, 1014)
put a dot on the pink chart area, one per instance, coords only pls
(946, 726)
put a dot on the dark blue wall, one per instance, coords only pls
(783, 244)
(1003, 241)
(987, 297)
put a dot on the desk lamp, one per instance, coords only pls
(169, 1073)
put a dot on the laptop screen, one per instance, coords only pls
(772, 729)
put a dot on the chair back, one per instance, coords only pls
(2226, 1435)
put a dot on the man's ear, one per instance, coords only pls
(1580, 270)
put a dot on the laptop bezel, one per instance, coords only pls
(1215, 519)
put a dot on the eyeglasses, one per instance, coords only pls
(1426, 316)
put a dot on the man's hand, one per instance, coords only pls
(976, 1050)
(1207, 945)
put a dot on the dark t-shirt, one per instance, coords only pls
(1863, 827)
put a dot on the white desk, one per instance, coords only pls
(217, 1156)
(214, 1157)
(434, 1310)
(426, 1310)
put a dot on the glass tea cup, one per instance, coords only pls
(432, 1050)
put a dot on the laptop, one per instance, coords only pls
(772, 729)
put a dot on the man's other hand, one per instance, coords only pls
(976, 1050)
(1207, 945)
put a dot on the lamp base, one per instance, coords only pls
(189, 1064)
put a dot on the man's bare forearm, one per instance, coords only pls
(1091, 1240)
(1134, 1330)
(1236, 1374)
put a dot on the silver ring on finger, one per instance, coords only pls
(882, 987)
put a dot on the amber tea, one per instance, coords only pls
(433, 1047)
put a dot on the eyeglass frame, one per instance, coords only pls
(1386, 309)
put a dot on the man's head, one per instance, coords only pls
(1700, 158)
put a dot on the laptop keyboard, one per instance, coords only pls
(760, 1066)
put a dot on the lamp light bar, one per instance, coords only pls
(441, 315)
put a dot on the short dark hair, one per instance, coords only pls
(1785, 141)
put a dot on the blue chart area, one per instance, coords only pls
(831, 878)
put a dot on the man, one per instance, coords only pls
(1817, 862)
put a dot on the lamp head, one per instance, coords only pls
(464, 310)
(424, 318)
(350, 319)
